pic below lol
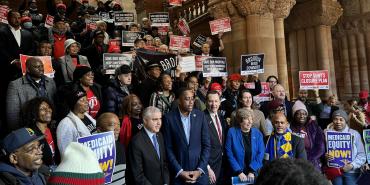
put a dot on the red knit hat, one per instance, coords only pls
(215, 87)
(61, 5)
(235, 77)
(364, 94)
(26, 19)
(274, 104)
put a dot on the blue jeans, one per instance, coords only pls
(346, 179)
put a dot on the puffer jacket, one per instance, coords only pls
(113, 98)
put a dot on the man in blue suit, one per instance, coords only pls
(187, 142)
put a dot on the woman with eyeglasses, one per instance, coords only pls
(39, 117)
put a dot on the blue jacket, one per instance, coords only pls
(35, 179)
(235, 149)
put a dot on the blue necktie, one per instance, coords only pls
(156, 145)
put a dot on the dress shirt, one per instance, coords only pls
(16, 34)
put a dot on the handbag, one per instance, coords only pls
(332, 173)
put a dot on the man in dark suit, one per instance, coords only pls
(217, 133)
(187, 141)
(147, 156)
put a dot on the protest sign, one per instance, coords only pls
(236, 181)
(104, 146)
(159, 19)
(123, 18)
(168, 62)
(183, 26)
(187, 64)
(265, 93)
(220, 25)
(46, 60)
(129, 37)
(163, 30)
(199, 62)
(339, 145)
(111, 61)
(175, 2)
(91, 22)
(4, 14)
(179, 42)
(199, 41)
(215, 67)
(106, 17)
(252, 64)
(366, 136)
(49, 21)
(314, 79)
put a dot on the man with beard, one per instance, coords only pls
(33, 84)
(21, 158)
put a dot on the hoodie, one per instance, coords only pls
(11, 172)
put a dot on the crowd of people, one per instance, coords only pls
(168, 129)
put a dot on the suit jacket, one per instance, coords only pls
(66, 67)
(217, 148)
(288, 106)
(182, 155)
(146, 167)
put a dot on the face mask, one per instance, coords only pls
(27, 25)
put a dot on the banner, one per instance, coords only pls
(123, 18)
(159, 19)
(4, 14)
(236, 181)
(179, 42)
(366, 136)
(183, 27)
(166, 61)
(220, 25)
(314, 79)
(199, 62)
(46, 60)
(104, 146)
(214, 67)
(112, 61)
(49, 21)
(187, 64)
(339, 145)
(129, 37)
(175, 2)
(252, 64)
(199, 41)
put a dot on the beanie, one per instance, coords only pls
(235, 77)
(74, 95)
(61, 5)
(274, 104)
(215, 87)
(298, 105)
(340, 113)
(79, 166)
(26, 19)
(80, 71)
(123, 69)
(364, 94)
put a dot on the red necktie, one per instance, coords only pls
(218, 128)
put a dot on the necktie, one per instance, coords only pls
(156, 145)
(218, 127)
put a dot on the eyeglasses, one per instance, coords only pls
(34, 148)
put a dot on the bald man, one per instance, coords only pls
(279, 93)
(110, 122)
(282, 143)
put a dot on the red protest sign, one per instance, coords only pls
(314, 79)
(199, 62)
(46, 60)
(183, 26)
(163, 30)
(3, 14)
(175, 2)
(220, 25)
(49, 21)
(179, 42)
(265, 93)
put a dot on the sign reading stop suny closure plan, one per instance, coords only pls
(179, 42)
(314, 79)
(220, 25)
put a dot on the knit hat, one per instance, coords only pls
(364, 94)
(274, 104)
(340, 113)
(69, 42)
(123, 69)
(215, 87)
(79, 166)
(80, 71)
(74, 95)
(26, 19)
(298, 105)
(235, 77)
(61, 5)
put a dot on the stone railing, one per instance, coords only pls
(190, 10)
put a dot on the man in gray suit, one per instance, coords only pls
(33, 84)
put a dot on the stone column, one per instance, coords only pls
(361, 54)
(345, 66)
(311, 49)
(294, 65)
(355, 77)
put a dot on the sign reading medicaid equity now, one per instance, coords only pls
(179, 42)
(112, 61)
(129, 37)
(199, 41)
(252, 64)
(339, 145)
(314, 79)
(220, 25)
(104, 146)
(214, 67)
(46, 61)
(123, 18)
(366, 136)
(159, 19)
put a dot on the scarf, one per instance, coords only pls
(279, 146)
